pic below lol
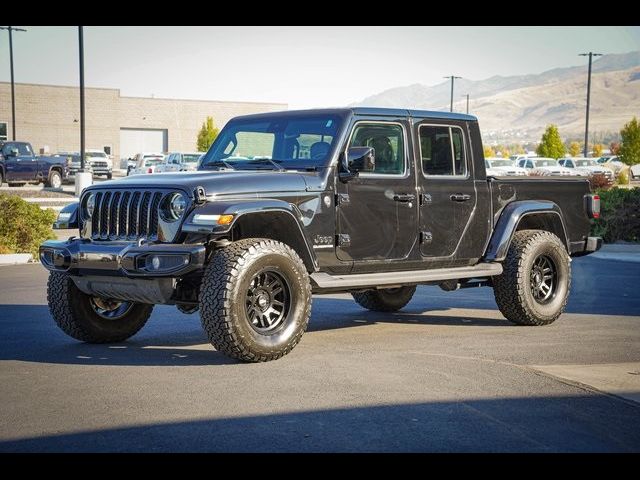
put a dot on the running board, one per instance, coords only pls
(324, 281)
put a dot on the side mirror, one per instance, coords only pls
(13, 152)
(361, 159)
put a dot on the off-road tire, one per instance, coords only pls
(109, 176)
(223, 297)
(72, 311)
(54, 179)
(385, 300)
(513, 290)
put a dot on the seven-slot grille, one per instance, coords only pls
(125, 215)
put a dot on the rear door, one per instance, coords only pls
(448, 194)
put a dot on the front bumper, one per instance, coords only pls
(85, 257)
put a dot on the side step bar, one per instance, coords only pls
(325, 281)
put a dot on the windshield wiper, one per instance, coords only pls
(264, 160)
(220, 162)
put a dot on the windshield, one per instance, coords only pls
(278, 141)
(548, 162)
(585, 163)
(501, 163)
(149, 161)
(191, 158)
(96, 154)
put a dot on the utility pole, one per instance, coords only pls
(13, 87)
(452, 77)
(467, 95)
(586, 127)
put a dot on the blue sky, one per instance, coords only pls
(301, 66)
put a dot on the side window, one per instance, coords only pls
(388, 142)
(23, 149)
(442, 151)
(569, 164)
(529, 164)
(3, 131)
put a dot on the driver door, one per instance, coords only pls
(377, 211)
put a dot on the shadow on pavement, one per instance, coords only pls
(586, 423)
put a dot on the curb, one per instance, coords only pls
(15, 258)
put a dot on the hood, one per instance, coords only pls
(217, 182)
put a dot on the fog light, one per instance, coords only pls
(163, 263)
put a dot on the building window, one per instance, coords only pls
(3, 131)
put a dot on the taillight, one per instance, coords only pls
(150, 170)
(593, 206)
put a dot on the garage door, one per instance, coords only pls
(134, 141)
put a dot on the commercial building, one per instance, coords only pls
(48, 116)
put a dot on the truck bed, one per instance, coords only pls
(567, 193)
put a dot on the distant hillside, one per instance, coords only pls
(521, 106)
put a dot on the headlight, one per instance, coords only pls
(90, 205)
(174, 206)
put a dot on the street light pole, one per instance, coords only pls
(81, 55)
(467, 95)
(13, 88)
(452, 77)
(586, 127)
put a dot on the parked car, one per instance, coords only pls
(503, 167)
(101, 164)
(635, 171)
(544, 166)
(179, 162)
(587, 167)
(146, 163)
(19, 165)
(611, 161)
(248, 238)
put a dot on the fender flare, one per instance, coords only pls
(511, 217)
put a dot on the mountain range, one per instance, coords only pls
(519, 107)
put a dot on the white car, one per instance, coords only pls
(544, 166)
(635, 171)
(180, 162)
(146, 163)
(611, 161)
(503, 167)
(586, 167)
(100, 162)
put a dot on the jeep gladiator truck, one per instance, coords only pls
(284, 205)
(18, 165)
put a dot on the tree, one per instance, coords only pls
(575, 149)
(488, 152)
(206, 135)
(630, 148)
(597, 150)
(614, 148)
(551, 144)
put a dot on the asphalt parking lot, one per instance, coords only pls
(446, 374)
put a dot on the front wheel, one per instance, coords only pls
(255, 300)
(92, 319)
(109, 176)
(534, 287)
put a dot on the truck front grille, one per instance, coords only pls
(99, 164)
(125, 215)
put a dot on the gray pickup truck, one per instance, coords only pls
(19, 165)
(367, 201)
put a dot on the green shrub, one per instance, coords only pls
(619, 215)
(623, 176)
(23, 226)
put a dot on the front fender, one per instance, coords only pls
(237, 208)
(511, 217)
(67, 218)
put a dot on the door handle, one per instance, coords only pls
(459, 197)
(404, 197)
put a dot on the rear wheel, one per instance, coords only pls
(93, 319)
(534, 287)
(255, 300)
(55, 179)
(385, 300)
